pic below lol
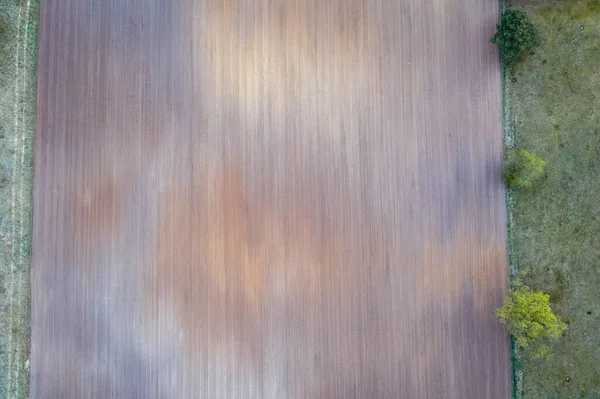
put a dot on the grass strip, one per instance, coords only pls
(552, 108)
(18, 62)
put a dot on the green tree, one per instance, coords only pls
(522, 169)
(529, 319)
(515, 35)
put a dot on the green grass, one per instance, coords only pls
(553, 100)
(18, 51)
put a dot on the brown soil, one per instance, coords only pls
(298, 201)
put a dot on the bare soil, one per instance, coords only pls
(299, 200)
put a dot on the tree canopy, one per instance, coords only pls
(515, 35)
(530, 320)
(522, 168)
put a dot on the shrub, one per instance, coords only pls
(522, 169)
(529, 319)
(515, 35)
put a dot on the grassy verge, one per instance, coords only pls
(18, 50)
(552, 104)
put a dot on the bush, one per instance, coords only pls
(515, 35)
(522, 169)
(530, 320)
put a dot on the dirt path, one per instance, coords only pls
(294, 201)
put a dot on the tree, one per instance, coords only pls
(529, 319)
(522, 169)
(515, 36)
